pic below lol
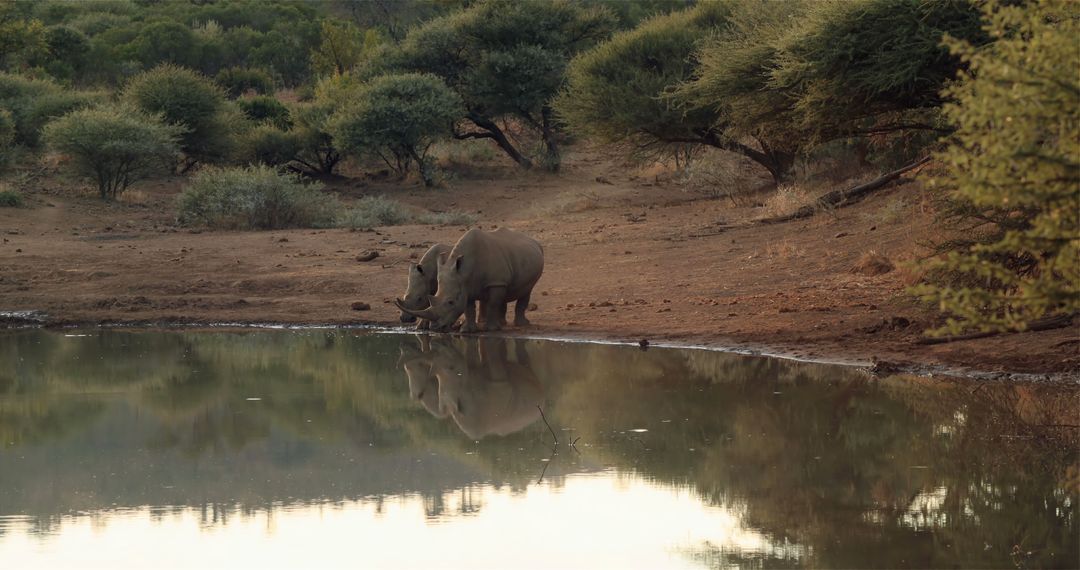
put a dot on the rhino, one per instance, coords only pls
(490, 267)
(423, 281)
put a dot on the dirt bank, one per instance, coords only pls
(629, 256)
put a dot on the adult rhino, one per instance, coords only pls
(490, 267)
(423, 282)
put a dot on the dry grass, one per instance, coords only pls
(567, 203)
(872, 263)
(787, 199)
(891, 212)
(784, 249)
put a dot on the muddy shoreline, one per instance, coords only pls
(872, 367)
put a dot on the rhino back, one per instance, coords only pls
(501, 257)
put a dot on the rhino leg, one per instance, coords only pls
(495, 308)
(520, 307)
(423, 324)
(502, 314)
(470, 318)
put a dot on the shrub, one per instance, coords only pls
(318, 153)
(374, 211)
(265, 109)
(449, 218)
(254, 197)
(166, 42)
(10, 199)
(186, 98)
(7, 137)
(1012, 173)
(34, 102)
(269, 145)
(398, 117)
(114, 146)
(237, 81)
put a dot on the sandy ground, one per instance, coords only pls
(630, 256)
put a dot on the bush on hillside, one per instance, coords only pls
(269, 145)
(189, 99)
(254, 197)
(237, 81)
(34, 102)
(114, 146)
(266, 109)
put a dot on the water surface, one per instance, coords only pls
(343, 448)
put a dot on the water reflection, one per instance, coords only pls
(474, 382)
(305, 447)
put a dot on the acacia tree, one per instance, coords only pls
(1013, 173)
(398, 116)
(860, 67)
(621, 90)
(506, 60)
(113, 145)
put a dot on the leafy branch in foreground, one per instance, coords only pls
(1012, 176)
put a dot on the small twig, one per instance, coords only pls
(573, 444)
(546, 464)
(543, 417)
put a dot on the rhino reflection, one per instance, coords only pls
(475, 382)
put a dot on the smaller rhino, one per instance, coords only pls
(423, 281)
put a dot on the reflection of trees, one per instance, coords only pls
(859, 471)
(848, 470)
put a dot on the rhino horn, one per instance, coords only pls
(423, 313)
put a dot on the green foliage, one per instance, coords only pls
(113, 145)
(67, 50)
(254, 197)
(266, 109)
(343, 47)
(1013, 173)
(189, 99)
(269, 145)
(7, 137)
(398, 116)
(34, 102)
(615, 92)
(318, 152)
(733, 70)
(835, 66)
(21, 41)
(237, 81)
(505, 59)
(10, 199)
(166, 42)
(374, 211)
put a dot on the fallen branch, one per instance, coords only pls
(843, 197)
(1043, 324)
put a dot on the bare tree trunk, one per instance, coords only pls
(493, 132)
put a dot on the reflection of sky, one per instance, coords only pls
(589, 521)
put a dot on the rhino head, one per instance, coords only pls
(448, 303)
(416, 295)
